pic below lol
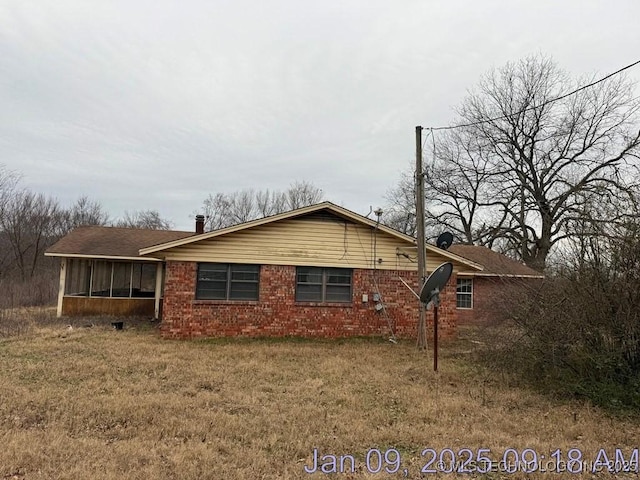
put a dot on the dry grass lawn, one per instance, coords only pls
(99, 403)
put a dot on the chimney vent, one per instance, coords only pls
(199, 224)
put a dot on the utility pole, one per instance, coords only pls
(422, 261)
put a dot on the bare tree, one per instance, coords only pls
(456, 194)
(150, 219)
(400, 212)
(545, 155)
(270, 203)
(8, 183)
(29, 224)
(216, 210)
(460, 190)
(224, 210)
(301, 194)
(519, 171)
(243, 206)
(83, 212)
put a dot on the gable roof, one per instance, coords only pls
(111, 242)
(495, 264)
(140, 244)
(328, 206)
(304, 211)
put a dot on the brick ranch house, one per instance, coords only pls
(318, 271)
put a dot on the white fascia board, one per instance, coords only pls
(103, 257)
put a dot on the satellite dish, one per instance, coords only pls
(430, 292)
(436, 282)
(445, 240)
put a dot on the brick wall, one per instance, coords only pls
(491, 298)
(276, 313)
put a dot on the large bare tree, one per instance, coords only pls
(527, 156)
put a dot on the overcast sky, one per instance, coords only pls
(155, 104)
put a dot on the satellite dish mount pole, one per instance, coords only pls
(436, 303)
(422, 261)
(430, 293)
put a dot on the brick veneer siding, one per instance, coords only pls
(276, 313)
(491, 298)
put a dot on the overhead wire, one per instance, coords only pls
(376, 285)
(543, 104)
(429, 132)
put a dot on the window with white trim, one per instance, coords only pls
(464, 293)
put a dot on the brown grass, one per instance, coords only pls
(92, 402)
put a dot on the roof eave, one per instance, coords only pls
(102, 257)
(503, 275)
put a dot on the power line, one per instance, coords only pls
(544, 104)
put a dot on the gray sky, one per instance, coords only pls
(144, 104)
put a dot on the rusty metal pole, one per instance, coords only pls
(435, 334)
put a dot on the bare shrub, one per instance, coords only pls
(40, 290)
(579, 333)
(21, 321)
(11, 324)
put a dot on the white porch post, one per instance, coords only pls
(158, 292)
(63, 279)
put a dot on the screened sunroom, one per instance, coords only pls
(102, 272)
(107, 278)
(111, 287)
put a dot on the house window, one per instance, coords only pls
(317, 284)
(464, 293)
(227, 281)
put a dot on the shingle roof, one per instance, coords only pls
(111, 241)
(494, 263)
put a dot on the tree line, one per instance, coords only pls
(226, 209)
(30, 222)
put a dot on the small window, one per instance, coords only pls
(464, 293)
(227, 281)
(317, 284)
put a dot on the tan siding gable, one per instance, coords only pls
(327, 242)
